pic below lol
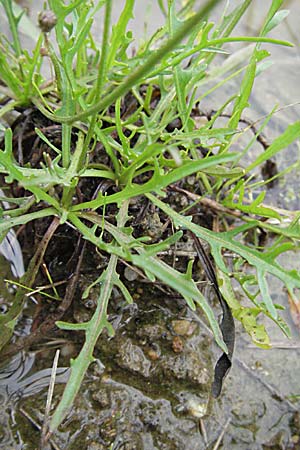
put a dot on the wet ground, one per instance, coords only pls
(150, 386)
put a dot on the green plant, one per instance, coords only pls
(88, 80)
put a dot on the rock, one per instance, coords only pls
(130, 274)
(132, 357)
(183, 327)
(177, 344)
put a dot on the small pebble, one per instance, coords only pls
(196, 409)
(177, 344)
(183, 327)
(102, 398)
(68, 349)
(191, 180)
(200, 122)
(152, 354)
(130, 274)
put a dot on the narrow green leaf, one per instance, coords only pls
(291, 133)
(124, 291)
(263, 285)
(278, 17)
(153, 249)
(93, 330)
(245, 90)
(8, 223)
(187, 289)
(271, 13)
(46, 140)
(72, 326)
(157, 182)
(118, 31)
(181, 77)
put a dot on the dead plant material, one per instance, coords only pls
(49, 323)
(227, 324)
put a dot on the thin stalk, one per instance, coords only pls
(64, 90)
(93, 330)
(29, 277)
(35, 59)
(237, 17)
(72, 172)
(100, 79)
(140, 72)
(215, 42)
(66, 144)
(68, 106)
(13, 26)
(249, 39)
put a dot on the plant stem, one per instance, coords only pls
(237, 17)
(100, 79)
(13, 26)
(93, 330)
(140, 72)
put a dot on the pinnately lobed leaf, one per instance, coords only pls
(157, 268)
(217, 241)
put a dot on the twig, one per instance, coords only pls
(27, 280)
(49, 399)
(219, 440)
(279, 345)
(203, 431)
(49, 323)
(207, 202)
(37, 426)
(251, 125)
(218, 207)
